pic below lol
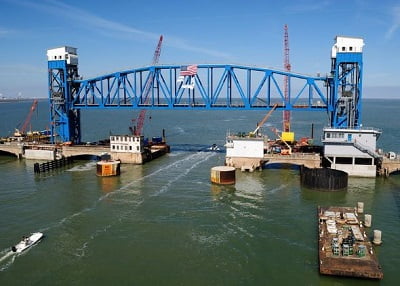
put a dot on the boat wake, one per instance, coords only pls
(197, 157)
(167, 186)
(274, 190)
(195, 148)
(7, 258)
(81, 251)
(81, 168)
(186, 161)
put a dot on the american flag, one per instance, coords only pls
(188, 70)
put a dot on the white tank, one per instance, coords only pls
(360, 207)
(367, 220)
(377, 237)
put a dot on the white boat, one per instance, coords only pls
(27, 241)
(214, 147)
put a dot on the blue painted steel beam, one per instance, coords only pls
(212, 87)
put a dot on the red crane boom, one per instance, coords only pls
(287, 67)
(22, 130)
(142, 114)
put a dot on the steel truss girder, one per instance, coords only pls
(213, 87)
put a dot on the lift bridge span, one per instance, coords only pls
(200, 87)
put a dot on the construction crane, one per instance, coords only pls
(259, 125)
(21, 132)
(287, 67)
(142, 114)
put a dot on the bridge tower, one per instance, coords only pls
(346, 88)
(62, 71)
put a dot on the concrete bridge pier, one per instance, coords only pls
(16, 149)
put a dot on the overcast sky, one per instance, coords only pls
(119, 35)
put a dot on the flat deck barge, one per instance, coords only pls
(344, 248)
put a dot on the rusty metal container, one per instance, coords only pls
(108, 168)
(223, 175)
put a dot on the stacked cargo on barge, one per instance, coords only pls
(344, 248)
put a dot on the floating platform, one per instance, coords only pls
(344, 248)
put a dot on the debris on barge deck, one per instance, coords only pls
(344, 247)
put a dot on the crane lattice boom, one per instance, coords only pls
(287, 67)
(22, 130)
(142, 114)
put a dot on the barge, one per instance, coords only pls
(344, 248)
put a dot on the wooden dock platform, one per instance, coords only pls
(344, 247)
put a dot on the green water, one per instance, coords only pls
(164, 223)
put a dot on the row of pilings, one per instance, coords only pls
(51, 165)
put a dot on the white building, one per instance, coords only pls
(127, 144)
(351, 150)
(127, 148)
(347, 45)
(246, 153)
(63, 53)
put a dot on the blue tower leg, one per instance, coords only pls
(65, 120)
(346, 91)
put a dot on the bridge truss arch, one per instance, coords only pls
(210, 87)
(205, 86)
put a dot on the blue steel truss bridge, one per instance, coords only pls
(205, 87)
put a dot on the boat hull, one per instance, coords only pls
(27, 242)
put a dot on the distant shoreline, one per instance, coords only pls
(6, 100)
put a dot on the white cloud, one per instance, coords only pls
(109, 27)
(395, 23)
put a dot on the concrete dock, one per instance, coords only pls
(49, 152)
(310, 160)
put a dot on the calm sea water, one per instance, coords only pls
(164, 223)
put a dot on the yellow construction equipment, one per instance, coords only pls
(283, 151)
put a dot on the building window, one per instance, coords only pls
(113, 147)
(350, 49)
(344, 160)
(363, 161)
(343, 49)
(130, 148)
(137, 147)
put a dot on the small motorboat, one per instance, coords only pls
(214, 147)
(27, 241)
